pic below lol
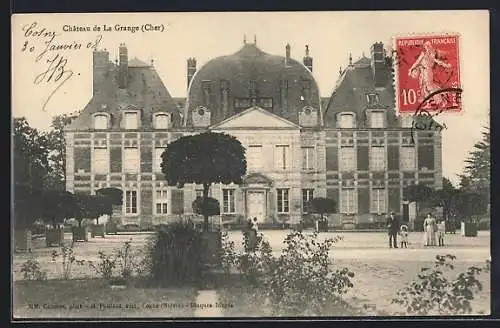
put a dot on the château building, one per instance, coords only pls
(350, 146)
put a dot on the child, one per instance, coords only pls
(441, 231)
(403, 233)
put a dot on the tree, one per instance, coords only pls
(476, 177)
(447, 198)
(30, 167)
(471, 204)
(57, 147)
(30, 149)
(322, 206)
(58, 205)
(209, 206)
(418, 193)
(204, 159)
(92, 207)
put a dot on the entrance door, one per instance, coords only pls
(256, 205)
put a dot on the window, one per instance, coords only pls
(307, 196)
(282, 157)
(372, 98)
(377, 158)
(377, 120)
(242, 103)
(347, 159)
(100, 122)
(348, 201)
(406, 121)
(130, 121)
(266, 102)
(283, 206)
(407, 158)
(100, 161)
(130, 202)
(254, 157)
(199, 193)
(378, 201)
(308, 158)
(157, 159)
(161, 201)
(161, 121)
(346, 121)
(131, 160)
(228, 201)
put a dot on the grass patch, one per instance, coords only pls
(94, 298)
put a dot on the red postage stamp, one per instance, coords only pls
(427, 73)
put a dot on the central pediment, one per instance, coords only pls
(255, 118)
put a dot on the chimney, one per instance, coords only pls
(308, 61)
(191, 69)
(100, 69)
(123, 66)
(287, 54)
(378, 64)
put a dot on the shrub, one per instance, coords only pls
(126, 260)
(106, 265)
(300, 281)
(303, 275)
(31, 270)
(175, 255)
(434, 293)
(229, 256)
(67, 260)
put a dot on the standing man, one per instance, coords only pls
(392, 230)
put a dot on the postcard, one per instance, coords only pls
(250, 165)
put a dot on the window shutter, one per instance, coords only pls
(177, 201)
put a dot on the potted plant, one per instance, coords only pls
(471, 205)
(321, 206)
(26, 210)
(115, 198)
(56, 206)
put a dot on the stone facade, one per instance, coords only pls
(298, 145)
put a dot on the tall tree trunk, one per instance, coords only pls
(206, 188)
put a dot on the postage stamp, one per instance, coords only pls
(427, 73)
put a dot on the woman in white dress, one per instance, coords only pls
(429, 235)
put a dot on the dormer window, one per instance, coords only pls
(130, 120)
(101, 121)
(346, 120)
(161, 121)
(372, 98)
(406, 121)
(377, 119)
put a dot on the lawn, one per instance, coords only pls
(94, 298)
(379, 273)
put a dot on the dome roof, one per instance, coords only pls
(251, 72)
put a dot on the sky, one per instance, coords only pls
(331, 37)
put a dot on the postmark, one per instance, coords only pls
(427, 74)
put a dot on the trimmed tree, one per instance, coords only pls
(204, 159)
(322, 206)
(56, 206)
(209, 206)
(115, 197)
(418, 193)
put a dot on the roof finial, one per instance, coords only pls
(152, 62)
(307, 50)
(350, 59)
(340, 70)
(244, 39)
(255, 39)
(363, 53)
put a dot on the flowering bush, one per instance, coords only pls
(31, 270)
(434, 294)
(67, 260)
(301, 281)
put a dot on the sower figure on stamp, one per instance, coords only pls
(423, 69)
(392, 230)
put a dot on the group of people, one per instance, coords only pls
(433, 232)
